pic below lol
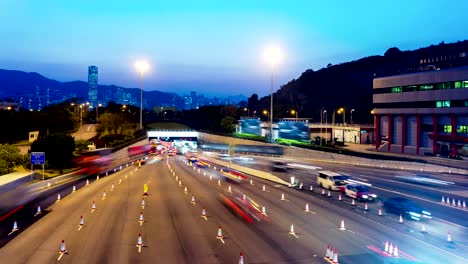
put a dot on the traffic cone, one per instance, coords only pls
(365, 207)
(353, 202)
(185, 190)
(229, 189)
(93, 207)
(143, 203)
(291, 230)
(180, 183)
(311, 188)
(74, 188)
(323, 192)
(203, 213)
(464, 205)
(63, 249)
(390, 249)
(220, 233)
(282, 197)
(120, 181)
(443, 200)
(331, 254)
(339, 197)
(59, 198)
(300, 186)
(104, 195)
(211, 178)
(219, 182)
(264, 210)
(264, 188)
(241, 258)
(112, 187)
(244, 197)
(449, 237)
(327, 255)
(139, 241)
(177, 178)
(401, 219)
(97, 177)
(459, 203)
(328, 194)
(386, 246)
(307, 208)
(251, 182)
(335, 257)
(193, 200)
(380, 212)
(38, 210)
(342, 227)
(140, 219)
(395, 251)
(15, 227)
(423, 228)
(453, 202)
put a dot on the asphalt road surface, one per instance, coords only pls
(173, 230)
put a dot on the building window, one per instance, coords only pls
(447, 128)
(442, 104)
(425, 87)
(444, 85)
(411, 88)
(465, 84)
(457, 85)
(398, 89)
(462, 129)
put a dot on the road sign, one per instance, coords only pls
(37, 158)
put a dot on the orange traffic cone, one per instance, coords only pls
(335, 257)
(203, 213)
(241, 258)
(291, 230)
(193, 200)
(220, 233)
(141, 219)
(63, 249)
(395, 251)
(139, 242)
(443, 200)
(307, 208)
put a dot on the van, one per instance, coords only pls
(331, 180)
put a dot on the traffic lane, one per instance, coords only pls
(172, 226)
(361, 231)
(438, 241)
(257, 240)
(40, 243)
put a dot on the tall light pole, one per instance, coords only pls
(294, 112)
(81, 116)
(97, 112)
(326, 123)
(142, 67)
(352, 110)
(273, 57)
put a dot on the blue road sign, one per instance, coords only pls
(37, 158)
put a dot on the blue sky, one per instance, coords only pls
(214, 47)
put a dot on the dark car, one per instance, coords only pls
(406, 208)
(280, 166)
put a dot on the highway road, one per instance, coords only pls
(173, 230)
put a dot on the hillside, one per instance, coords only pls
(349, 84)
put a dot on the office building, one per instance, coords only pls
(93, 85)
(422, 113)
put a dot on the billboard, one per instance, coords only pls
(294, 130)
(250, 126)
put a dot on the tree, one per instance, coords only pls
(228, 124)
(252, 102)
(58, 148)
(9, 158)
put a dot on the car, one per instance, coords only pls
(280, 166)
(359, 192)
(331, 180)
(406, 208)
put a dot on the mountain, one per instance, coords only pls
(349, 84)
(23, 87)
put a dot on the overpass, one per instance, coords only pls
(184, 140)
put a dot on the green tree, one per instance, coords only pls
(10, 157)
(58, 147)
(228, 124)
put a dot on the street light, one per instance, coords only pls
(97, 113)
(294, 112)
(273, 57)
(352, 110)
(342, 110)
(247, 110)
(81, 116)
(326, 123)
(142, 66)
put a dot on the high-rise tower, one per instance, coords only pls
(93, 85)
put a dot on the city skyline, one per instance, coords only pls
(226, 42)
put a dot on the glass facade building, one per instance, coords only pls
(93, 85)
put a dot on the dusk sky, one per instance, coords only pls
(213, 47)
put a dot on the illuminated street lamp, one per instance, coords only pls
(97, 112)
(294, 112)
(342, 110)
(142, 67)
(273, 57)
(247, 110)
(352, 110)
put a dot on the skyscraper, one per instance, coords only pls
(93, 85)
